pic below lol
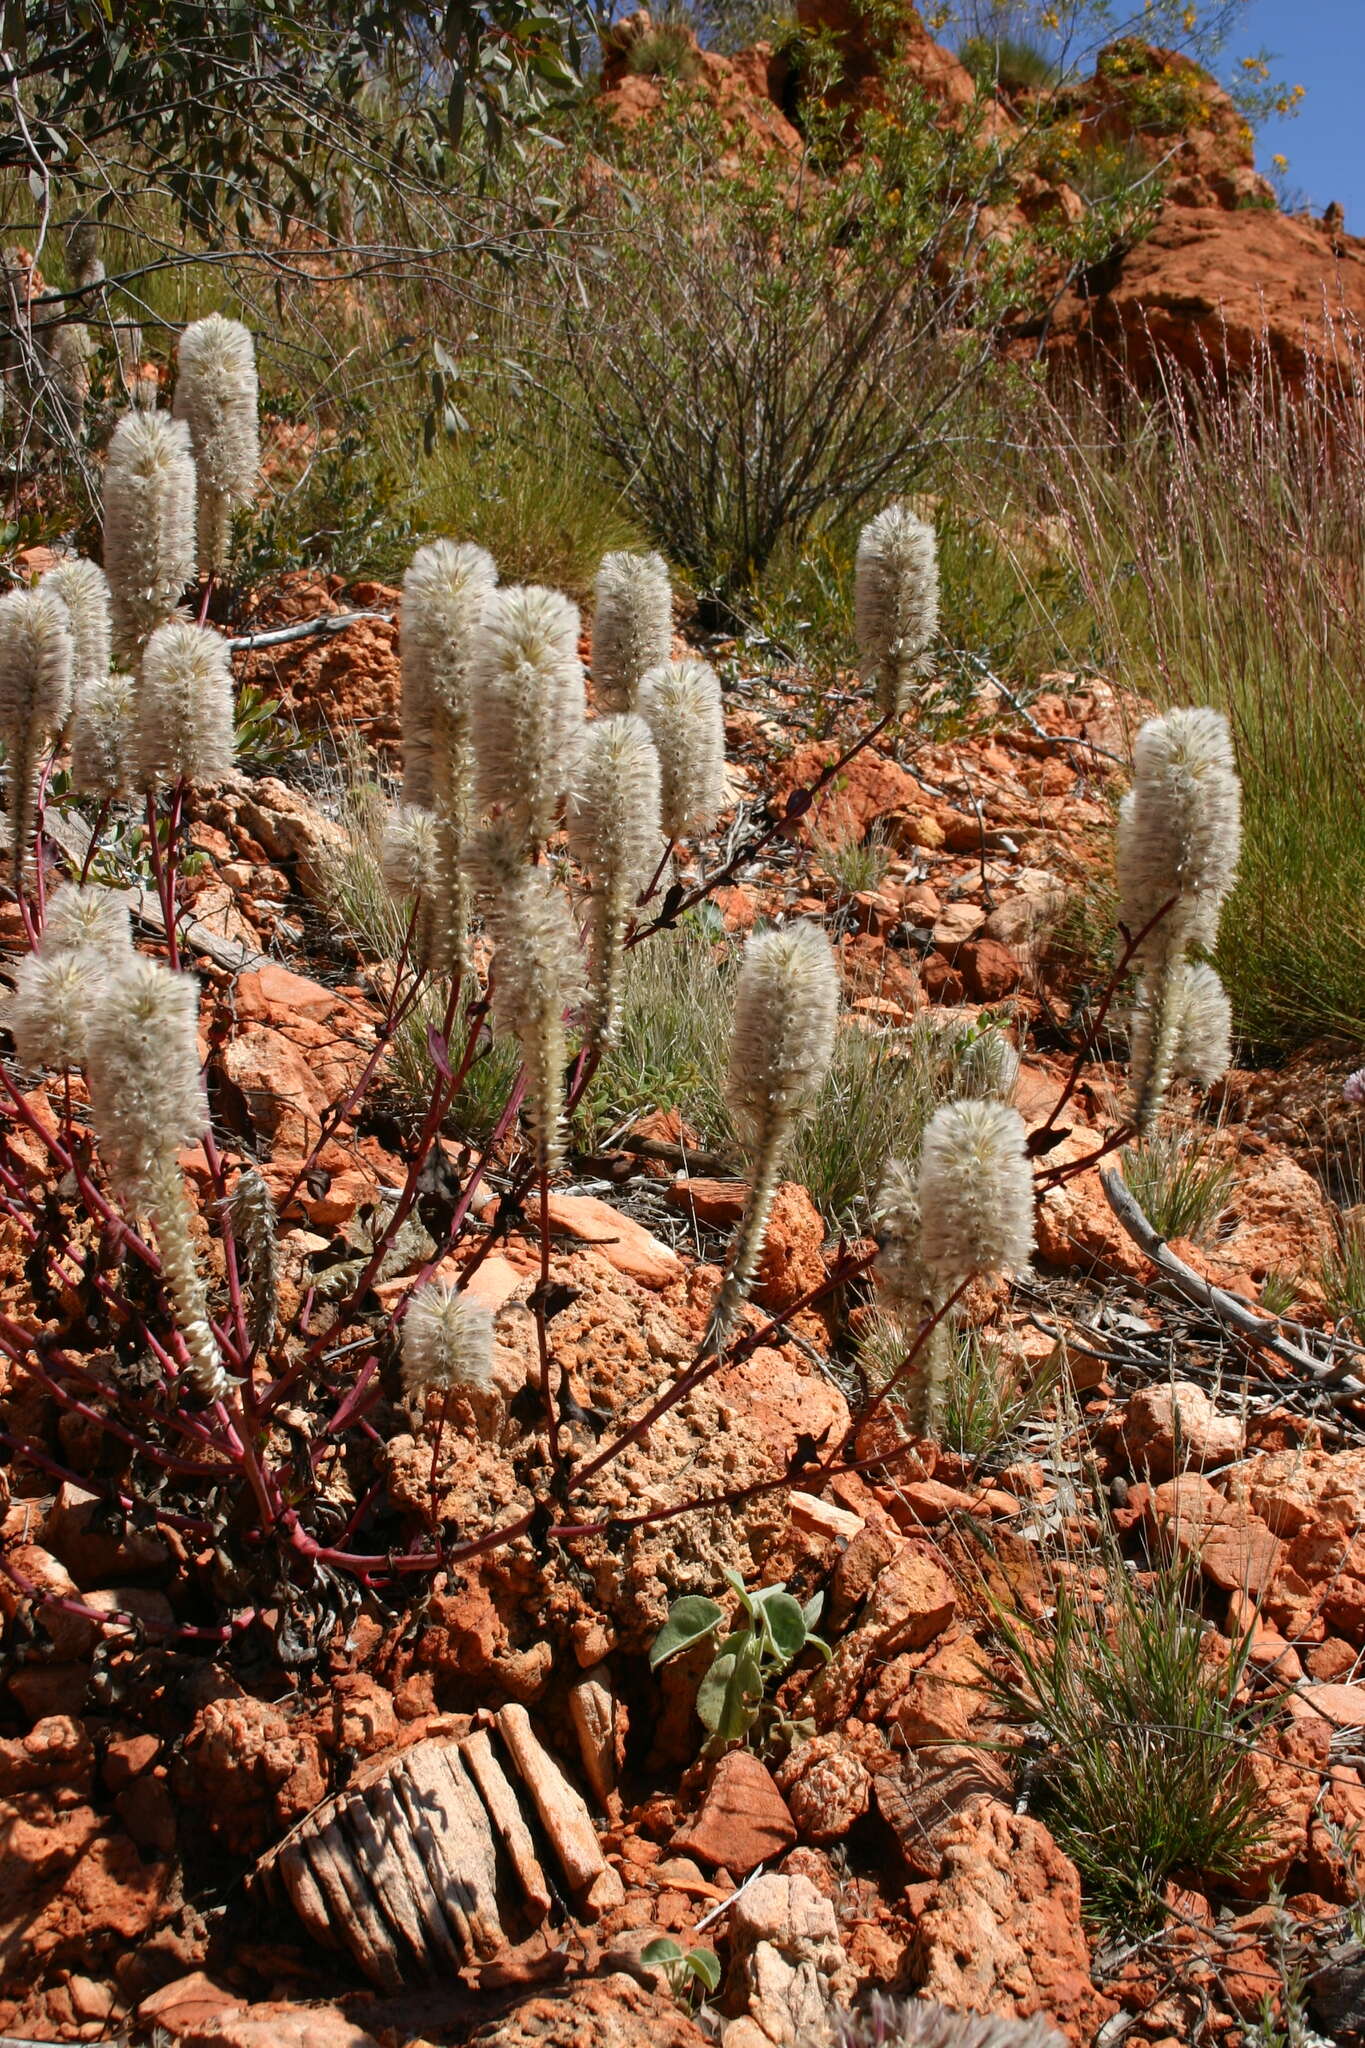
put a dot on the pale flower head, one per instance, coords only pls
(184, 706)
(447, 1342)
(975, 1192)
(895, 602)
(632, 626)
(681, 704)
(217, 396)
(786, 1012)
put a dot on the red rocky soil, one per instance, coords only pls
(140, 1784)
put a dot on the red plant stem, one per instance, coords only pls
(35, 1453)
(442, 1094)
(755, 846)
(657, 876)
(178, 1631)
(101, 819)
(506, 1119)
(875, 1406)
(1085, 1052)
(547, 1394)
(164, 866)
(204, 601)
(1055, 1175)
(69, 1163)
(338, 1113)
(236, 1306)
(190, 1468)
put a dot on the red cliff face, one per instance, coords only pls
(1222, 275)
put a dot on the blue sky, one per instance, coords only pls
(1320, 45)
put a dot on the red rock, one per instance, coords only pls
(871, 41)
(867, 789)
(1234, 1547)
(990, 969)
(957, 923)
(56, 1751)
(942, 983)
(912, 1602)
(627, 1245)
(827, 1787)
(1149, 1424)
(249, 1771)
(1229, 283)
(793, 1261)
(1342, 1705)
(743, 1820)
(744, 90)
(1003, 1930)
(276, 2025)
(94, 1550)
(180, 2004)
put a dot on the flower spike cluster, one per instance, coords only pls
(681, 704)
(526, 683)
(613, 826)
(184, 706)
(37, 661)
(632, 626)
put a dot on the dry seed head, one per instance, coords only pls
(83, 588)
(447, 1342)
(216, 395)
(445, 589)
(250, 1210)
(895, 602)
(146, 1093)
(786, 1010)
(103, 746)
(1180, 829)
(975, 1192)
(1181, 1023)
(632, 626)
(613, 827)
(83, 917)
(54, 1001)
(184, 706)
(526, 684)
(917, 2023)
(681, 703)
(149, 500)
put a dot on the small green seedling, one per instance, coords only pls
(731, 1697)
(686, 1970)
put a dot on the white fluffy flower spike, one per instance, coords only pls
(37, 658)
(184, 706)
(681, 704)
(632, 626)
(216, 395)
(895, 602)
(149, 511)
(526, 684)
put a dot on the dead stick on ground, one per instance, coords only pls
(1234, 1314)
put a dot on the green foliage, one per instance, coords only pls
(1009, 61)
(267, 107)
(1343, 1275)
(857, 861)
(760, 350)
(1160, 95)
(1181, 1180)
(731, 1700)
(1143, 1772)
(665, 52)
(265, 738)
(686, 1970)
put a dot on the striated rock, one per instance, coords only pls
(922, 1801)
(912, 1601)
(298, 1048)
(1002, 1932)
(867, 789)
(743, 1820)
(1156, 1416)
(1234, 1548)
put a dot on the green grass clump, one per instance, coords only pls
(666, 51)
(1011, 61)
(1144, 1773)
(1180, 1181)
(1343, 1276)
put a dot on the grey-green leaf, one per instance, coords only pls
(689, 1619)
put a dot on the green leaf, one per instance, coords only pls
(689, 1619)
(813, 1609)
(665, 1950)
(784, 1625)
(704, 1964)
(729, 1696)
